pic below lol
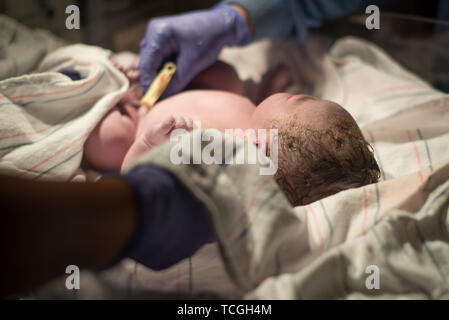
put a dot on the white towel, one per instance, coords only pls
(45, 117)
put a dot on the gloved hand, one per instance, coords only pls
(173, 223)
(196, 39)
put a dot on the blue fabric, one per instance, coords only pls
(173, 224)
(294, 18)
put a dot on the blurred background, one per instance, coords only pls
(411, 31)
(114, 24)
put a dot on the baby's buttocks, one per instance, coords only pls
(215, 109)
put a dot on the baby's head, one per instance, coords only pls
(321, 149)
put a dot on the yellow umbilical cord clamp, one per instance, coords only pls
(159, 85)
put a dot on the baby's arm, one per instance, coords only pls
(156, 135)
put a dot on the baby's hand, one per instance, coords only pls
(156, 135)
(159, 133)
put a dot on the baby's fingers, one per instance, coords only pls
(166, 126)
(180, 122)
(184, 122)
(189, 122)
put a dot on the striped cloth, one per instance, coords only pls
(325, 249)
(45, 116)
(267, 250)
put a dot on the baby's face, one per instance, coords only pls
(108, 144)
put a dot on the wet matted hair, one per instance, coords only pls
(316, 163)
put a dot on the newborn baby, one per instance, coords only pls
(321, 149)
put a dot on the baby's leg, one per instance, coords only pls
(219, 76)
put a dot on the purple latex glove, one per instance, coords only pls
(195, 38)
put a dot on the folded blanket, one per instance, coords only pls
(268, 247)
(46, 116)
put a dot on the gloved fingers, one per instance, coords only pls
(151, 57)
(185, 72)
(157, 45)
(148, 64)
(176, 85)
(197, 38)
